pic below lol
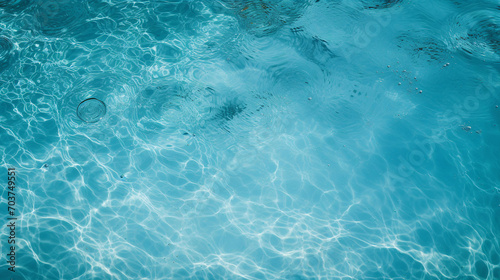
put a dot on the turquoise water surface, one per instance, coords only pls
(286, 139)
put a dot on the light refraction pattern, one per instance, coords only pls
(285, 139)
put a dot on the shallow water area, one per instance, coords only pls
(252, 139)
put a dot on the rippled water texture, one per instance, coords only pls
(91, 110)
(251, 139)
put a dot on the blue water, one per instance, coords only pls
(251, 139)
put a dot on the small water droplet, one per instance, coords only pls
(91, 110)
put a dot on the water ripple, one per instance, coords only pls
(61, 18)
(476, 34)
(14, 5)
(423, 46)
(380, 4)
(253, 139)
(262, 18)
(6, 53)
(91, 110)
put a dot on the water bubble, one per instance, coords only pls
(5, 46)
(91, 110)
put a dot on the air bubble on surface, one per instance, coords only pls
(91, 110)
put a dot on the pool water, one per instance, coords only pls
(286, 139)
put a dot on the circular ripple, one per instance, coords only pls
(380, 4)
(61, 18)
(91, 110)
(476, 34)
(6, 47)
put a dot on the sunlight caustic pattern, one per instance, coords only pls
(252, 139)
